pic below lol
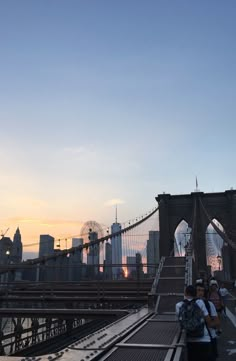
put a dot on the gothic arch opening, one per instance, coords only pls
(214, 245)
(181, 237)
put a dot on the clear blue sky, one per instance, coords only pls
(103, 100)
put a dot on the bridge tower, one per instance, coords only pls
(198, 209)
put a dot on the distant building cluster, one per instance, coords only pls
(112, 260)
(11, 251)
(73, 266)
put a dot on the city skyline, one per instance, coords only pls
(213, 244)
(112, 103)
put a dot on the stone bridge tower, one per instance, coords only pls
(189, 207)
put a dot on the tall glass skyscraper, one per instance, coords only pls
(108, 261)
(46, 245)
(17, 247)
(78, 242)
(93, 255)
(153, 253)
(116, 246)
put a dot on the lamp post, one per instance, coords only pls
(58, 245)
(8, 256)
(219, 260)
(7, 280)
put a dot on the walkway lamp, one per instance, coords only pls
(7, 278)
(8, 257)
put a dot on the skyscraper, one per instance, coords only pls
(93, 255)
(131, 266)
(116, 246)
(108, 261)
(78, 242)
(16, 255)
(5, 250)
(46, 245)
(153, 253)
(76, 261)
(139, 263)
(46, 248)
(134, 266)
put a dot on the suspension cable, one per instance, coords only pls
(223, 235)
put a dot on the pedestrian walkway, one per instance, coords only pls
(227, 341)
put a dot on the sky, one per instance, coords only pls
(112, 102)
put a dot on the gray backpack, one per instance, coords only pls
(191, 319)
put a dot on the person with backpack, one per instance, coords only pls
(193, 317)
(201, 294)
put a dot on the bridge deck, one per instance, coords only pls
(227, 341)
(150, 335)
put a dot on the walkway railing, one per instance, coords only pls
(188, 271)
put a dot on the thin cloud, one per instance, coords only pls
(31, 201)
(75, 150)
(114, 202)
(80, 150)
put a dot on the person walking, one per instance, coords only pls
(215, 297)
(224, 295)
(201, 294)
(198, 344)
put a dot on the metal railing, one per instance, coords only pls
(156, 280)
(188, 271)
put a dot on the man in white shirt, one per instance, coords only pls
(200, 289)
(198, 348)
(224, 295)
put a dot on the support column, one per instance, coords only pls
(226, 261)
(232, 236)
(165, 243)
(233, 263)
(199, 239)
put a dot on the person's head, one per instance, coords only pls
(190, 291)
(199, 281)
(200, 290)
(213, 285)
